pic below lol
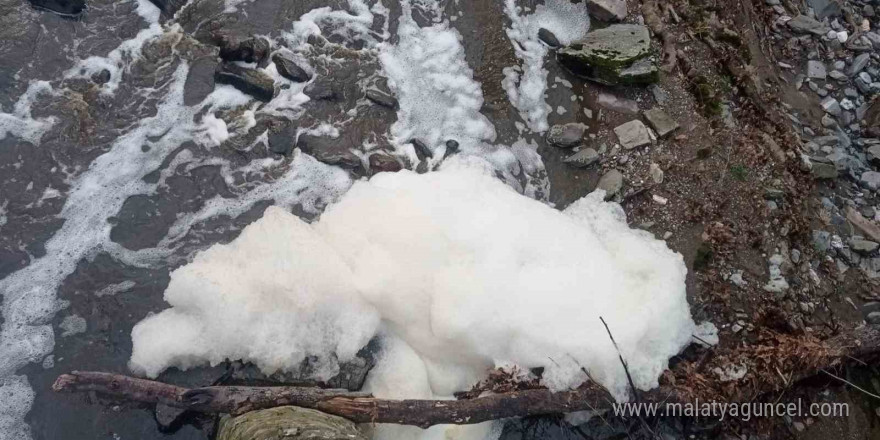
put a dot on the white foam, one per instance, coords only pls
(439, 100)
(526, 84)
(465, 271)
(19, 122)
(351, 25)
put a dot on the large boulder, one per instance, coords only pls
(287, 423)
(617, 55)
(63, 7)
(169, 7)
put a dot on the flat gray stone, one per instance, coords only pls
(871, 179)
(816, 70)
(873, 154)
(821, 240)
(617, 104)
(831, 106)
(661, 122)
(583, 158)
(611, 182)
(822, 171)
(607, 10)
(806, 25)
(863, 246)
(633, 134)
(566, 136)
(859, 64)
(824, 8)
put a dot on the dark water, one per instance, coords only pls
(96, 238)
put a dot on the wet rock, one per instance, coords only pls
(617, 104)
(422, 149)
(583, 158)
(859, 64)
(168, 418)
(611, 182)
(383, 99)
(451, 148)
(660, 95)
(251, 81)
(281, 141)
(289, 69)
(287, 423)
(384, 163)
(803, 24)
(607, 10)
(199, 80)
(616, 55)
(63, 7)
(169, 7)
(322, 90)
(101, 77)
(661, 122)
(342, 159)
(823, 171)
(548, 38)
(863, 246)
(250, 50)
(816, 70)
(633, 134)
(566, 136)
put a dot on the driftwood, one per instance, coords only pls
(361, 408)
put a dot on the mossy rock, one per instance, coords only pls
(617, 55)
(287, 423)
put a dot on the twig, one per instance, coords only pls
(851, 384)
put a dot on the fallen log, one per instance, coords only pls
(362, 408)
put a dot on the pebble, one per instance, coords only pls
(611, 183)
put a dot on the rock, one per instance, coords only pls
(867, 227)
(607, 10)
(287, 423)
(384, 163)
(379, 93)
(548, 38)
(101, 77)
(615, 55)
(617, 104)
(566, 136)
(168, 417)
(859, 64)
(422, 149)
(873, 154)
(660, 95)
(169, 7)
(451, 148)
(583, 158)
(806, 25)
(821, 241)
(62, 7)
(871, 179)
(816, 70)
(824, 8)
(831, 106)
(611, 183)
(633, 134)
(822, 171)
(863, 246)
(322, 90)
(660, 122)
(656, 173)
(289, 69)
(873, 318)
(251, 81)
(281, 141)
(250, 50)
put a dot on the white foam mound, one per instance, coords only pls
(464, 270)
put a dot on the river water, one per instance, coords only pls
(121, 158)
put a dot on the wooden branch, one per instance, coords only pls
(362, 408)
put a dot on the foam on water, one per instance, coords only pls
(463, 270)
(19, 122)
(525, 84)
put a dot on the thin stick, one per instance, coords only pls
(620, 355)
(851, 384)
